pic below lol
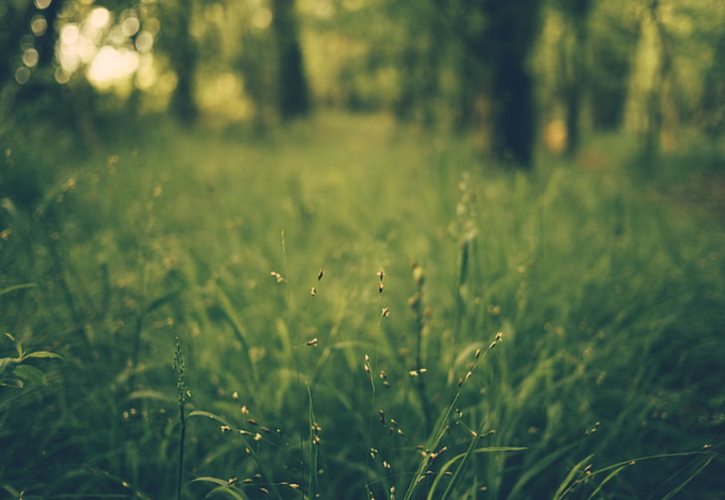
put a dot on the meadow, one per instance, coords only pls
(348, 308)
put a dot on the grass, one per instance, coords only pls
(609, 296)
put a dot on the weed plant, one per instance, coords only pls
(366, 312)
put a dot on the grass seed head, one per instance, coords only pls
(497, 340)
(418, 274)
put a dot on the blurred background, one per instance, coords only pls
(550, 169)
(513, 74)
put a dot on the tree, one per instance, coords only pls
(511, 29)
(292, 85)
(613, 37)
(576, 15)
(420, 58)
(183, 57)
(661, 83)
(713, 98)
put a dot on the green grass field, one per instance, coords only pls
(608, 293)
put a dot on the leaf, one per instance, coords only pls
(17, 345)
(312, 459)
(562, 491)
(222, 485)
(43, 355)
(539, 466)
(12, 490)
(609, 477)
(265, 472)
(227, 490)
(447, 465)
(15, 383)
(5, 363)
(151, 394)
(239, 331)
(157, 303)
(692, 476)
(30, 374)
(19, 286)
(206, 414)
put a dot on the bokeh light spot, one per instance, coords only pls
(30, 57)
(38, 25)
(130, 26)
(61, 76)
(112, 64)
(144, 42)
(262, 19)
(22, 75)
(99, 17)
(69, 34)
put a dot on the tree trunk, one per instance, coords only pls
(46, 42)
(613, 41)
(293, 98)
(578, 15)
(654, 109)
(712, 104)
(183, 57)
(511, 32)
(12, 24)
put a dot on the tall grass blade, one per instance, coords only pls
(566, 484)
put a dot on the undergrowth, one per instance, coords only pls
(363, 311)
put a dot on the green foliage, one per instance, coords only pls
(608, 294)
(15, 372)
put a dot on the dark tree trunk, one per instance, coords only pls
(655, 99)
(466, 23)
(468, 84)
(420, 60)
(11, 29)
(512, 28)
(252, 64)
(613, 48)
(14, 24)
(292, 85)
(577, 13)
(573, 114)
(183, 56)
(45, 44)
(405, 103)
(712, 105)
